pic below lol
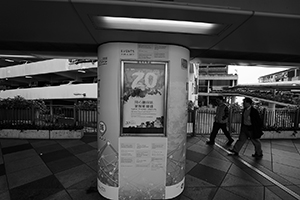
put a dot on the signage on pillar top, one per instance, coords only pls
(143, 98)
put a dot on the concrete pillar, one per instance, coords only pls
(142, 118)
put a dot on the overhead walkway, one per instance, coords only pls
(67, 169)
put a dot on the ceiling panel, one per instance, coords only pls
(42, 21)
(255, 33)
(265, 33)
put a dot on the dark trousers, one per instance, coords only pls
(216, 127)
(246, 132)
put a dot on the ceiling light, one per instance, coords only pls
(157, 25)
(9, 60)
(16, 56)
(28, 76)
(81, 71)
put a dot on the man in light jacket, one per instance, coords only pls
(251, 128)
(220, 122)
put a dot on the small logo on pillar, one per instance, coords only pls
(102, 128)
(184, 63)
(103, 61)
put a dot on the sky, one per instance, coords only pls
(250, 74)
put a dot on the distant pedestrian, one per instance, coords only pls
(220, 122)
(251, 128)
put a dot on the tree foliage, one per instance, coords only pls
(22, 103)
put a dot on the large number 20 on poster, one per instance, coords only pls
(143, 98)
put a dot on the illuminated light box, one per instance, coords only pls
(157, 25)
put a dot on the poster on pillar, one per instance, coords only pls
(143, 98)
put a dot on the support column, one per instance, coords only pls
(142, 118)
(271, 107)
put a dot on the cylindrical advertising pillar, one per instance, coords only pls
(142, 118)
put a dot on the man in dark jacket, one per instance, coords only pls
(250, 128)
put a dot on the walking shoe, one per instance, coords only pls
(210, 143)
(229, 142)
(257, 155)
(232, 152)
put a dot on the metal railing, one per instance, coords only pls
(278, 120)
(54, 116)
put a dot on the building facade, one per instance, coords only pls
(56, 81)
(212, 79)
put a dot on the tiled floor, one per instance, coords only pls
(66, 169)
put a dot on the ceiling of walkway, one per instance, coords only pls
(255, 32)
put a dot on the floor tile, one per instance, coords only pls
(216, 163)
(61, 195)
(191, 181)
(218, 155)
(248, 192)
(262, 180)
(89, 139)
(23, 164)
(294, 179)
(13, 149)
(290, 148)
(27, 175)
(295, 188)
(42, 143)
(181, 197)
(242, 180)
(12, 142)
(19, 155)
(38, 189)
(196, 193)
(49, 148)
(55, 155)
(82, 194)
(276, 152)
(88, 156)
(1, 160)
(287, 143)
(203, 149)
(3, 184)
(226, 193)
(64, 164)
(93, 164)
(194, 140)
(208, 174)
(2, 170)
(287, 160)
(271, 195)
(238, 172)
(80, 149)
(279, 192)
(5, 195)
(189, 144)
(94, 144)
(86, 183)
(286, 170)
(70, 143)
(189, 165)
(194, 156)
(75, 175)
